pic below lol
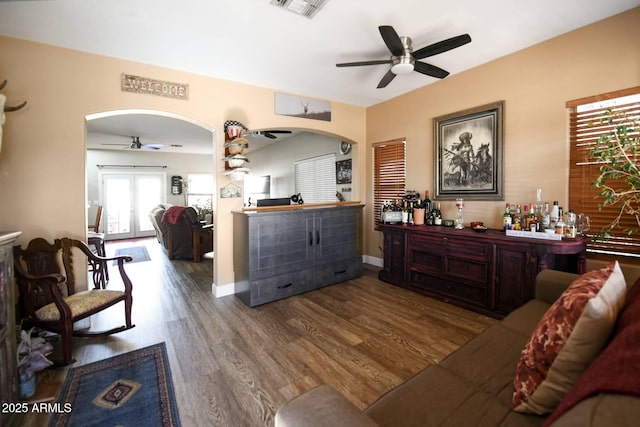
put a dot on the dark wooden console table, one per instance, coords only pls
(488, 272)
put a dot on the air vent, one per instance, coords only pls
(306, 8)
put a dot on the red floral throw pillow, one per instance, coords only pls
(567, 338)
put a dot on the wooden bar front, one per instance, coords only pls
(487, 272)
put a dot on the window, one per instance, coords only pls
(316, 179)
(585, 127)
(389, 174)
(200, 192)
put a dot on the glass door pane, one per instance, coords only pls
(118, 206)
(149, 190)
(128, 199)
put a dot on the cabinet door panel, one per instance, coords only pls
(335, 234)
(514, 278)
(279, 245)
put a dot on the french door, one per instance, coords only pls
(128, 199)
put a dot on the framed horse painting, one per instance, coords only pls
(469, 154)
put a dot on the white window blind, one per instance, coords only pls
(316, 179)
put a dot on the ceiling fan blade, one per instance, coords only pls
(152, 146)
(278, 131)
(357, 64)
(268, 135)
(442, 46)
(391, 39)
(386, 79)
(430, 70)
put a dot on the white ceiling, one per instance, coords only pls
(254, 42)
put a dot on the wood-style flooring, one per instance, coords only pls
(235, 366)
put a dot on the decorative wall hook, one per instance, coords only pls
(8, 108)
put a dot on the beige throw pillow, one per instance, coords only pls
(567, 339)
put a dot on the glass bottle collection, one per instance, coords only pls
(544, 218)
(429, 213)
(535, 217)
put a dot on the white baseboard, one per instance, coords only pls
(220, 291)
(368, 259)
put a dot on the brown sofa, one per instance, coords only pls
(471, 387)
(183, 236)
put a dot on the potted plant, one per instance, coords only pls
(32, 357)
(618, 152)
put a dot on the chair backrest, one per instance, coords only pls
(38, 259)
(96, 225)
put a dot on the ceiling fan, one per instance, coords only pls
(270, 133)
(404, 60)
(135, 144)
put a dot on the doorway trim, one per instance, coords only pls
(196, 122)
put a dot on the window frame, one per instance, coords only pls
(389, 183)
(584, 130)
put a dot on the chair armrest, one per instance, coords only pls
(322, 406)
(551, 283)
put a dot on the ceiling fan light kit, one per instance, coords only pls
(404, 60)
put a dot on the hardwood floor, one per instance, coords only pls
(235, 366)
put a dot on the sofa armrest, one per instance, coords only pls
(322, 406)
(551, 283)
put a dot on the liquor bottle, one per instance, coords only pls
(506, 218)
(427, 202)
(517, 219)
(410, 209)
(405, 213)
(560, 225)
(546, 219)
(570, 229)
(437, 216)
(553, 215)
(531, 219)
(524, 224)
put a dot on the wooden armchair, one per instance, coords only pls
(48, 299)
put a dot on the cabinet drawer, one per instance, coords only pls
(432, 244)
(338, 271)
(455, 290)
(426, 260)
(282, 286)
(468, 249)
(468, 270)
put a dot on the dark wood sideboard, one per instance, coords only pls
(279, 253)
(8, 366)
(487, 272)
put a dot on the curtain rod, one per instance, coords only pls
(130, 166)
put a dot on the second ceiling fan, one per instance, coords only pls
(404, 60)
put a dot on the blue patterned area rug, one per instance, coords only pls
(131, 389)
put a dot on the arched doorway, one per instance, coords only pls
(137, 145)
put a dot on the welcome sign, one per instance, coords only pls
(167, 89)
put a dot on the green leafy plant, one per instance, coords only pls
(618, 153)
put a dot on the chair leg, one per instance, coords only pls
(128, 303)
(66, 336)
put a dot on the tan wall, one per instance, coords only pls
(535, 83)
(42, 163)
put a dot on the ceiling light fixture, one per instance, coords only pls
(306, 8)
